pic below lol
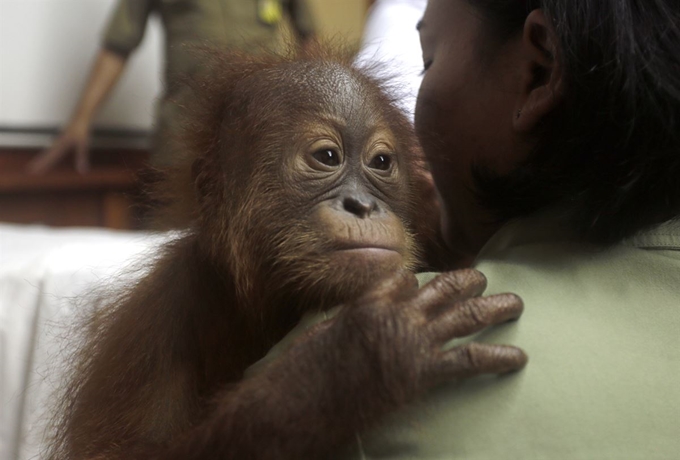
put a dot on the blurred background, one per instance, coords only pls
(47, 48)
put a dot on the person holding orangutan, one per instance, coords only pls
(551, 127)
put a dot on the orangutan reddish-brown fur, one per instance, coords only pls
(298, 192)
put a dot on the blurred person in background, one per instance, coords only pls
(250, 25)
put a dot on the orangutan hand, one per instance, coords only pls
(391, 340)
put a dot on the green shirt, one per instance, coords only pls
(188, 24)
(602, 331)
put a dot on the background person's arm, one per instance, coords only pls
(123, 34)
(105, 73)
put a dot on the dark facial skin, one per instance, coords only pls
(301, 195)
(480, 103)
(354, 205)
(357, 184)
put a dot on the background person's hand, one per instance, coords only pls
(75, 138)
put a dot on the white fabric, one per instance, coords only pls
(43, 273)
(391, 39)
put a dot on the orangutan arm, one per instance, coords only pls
(376, 356)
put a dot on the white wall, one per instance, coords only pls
(46, 50)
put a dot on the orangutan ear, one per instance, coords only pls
(199, 177)
(542, 80)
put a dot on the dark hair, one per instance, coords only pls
(610, 155)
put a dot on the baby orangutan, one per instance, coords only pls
(299, 192)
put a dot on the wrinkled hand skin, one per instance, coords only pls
(380, 353)
(405, 328)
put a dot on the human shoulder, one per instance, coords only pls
(600, 329)
(536, 256)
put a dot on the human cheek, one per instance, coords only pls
(430, 121)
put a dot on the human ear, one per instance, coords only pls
(542, 79)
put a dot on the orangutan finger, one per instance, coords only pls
(391, 288)
(477, 358)
(450, 287)
(464, 318)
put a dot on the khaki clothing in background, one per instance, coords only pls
(223, 23)
(246, 24)
(602, 331)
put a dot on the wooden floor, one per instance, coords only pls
(107, 196)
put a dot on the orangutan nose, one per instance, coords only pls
(360, 206)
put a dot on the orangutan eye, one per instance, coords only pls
(328, 157)
(381, 161)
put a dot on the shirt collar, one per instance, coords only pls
(551, 227)
(664, 236)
